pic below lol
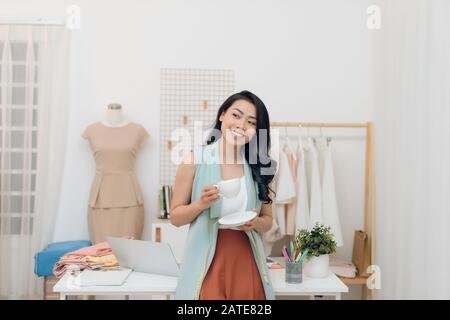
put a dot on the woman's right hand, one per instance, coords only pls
(210, 194)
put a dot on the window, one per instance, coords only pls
(18, 140)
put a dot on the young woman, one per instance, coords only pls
(221, 262)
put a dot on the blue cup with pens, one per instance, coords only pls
(294, 263)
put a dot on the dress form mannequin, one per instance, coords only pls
(114, 116)
(116, 206)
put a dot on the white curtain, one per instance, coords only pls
(33, 62)
(412, 124)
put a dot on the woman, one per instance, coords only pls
(219, 262)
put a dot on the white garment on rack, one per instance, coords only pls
(330, 212)
(302, 209)
(315, 213)
(320, 144)
(291, 208)
(284, 189)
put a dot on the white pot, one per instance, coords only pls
(317, 267)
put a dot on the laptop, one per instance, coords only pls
(144, 256)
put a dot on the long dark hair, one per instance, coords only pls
(257, 150)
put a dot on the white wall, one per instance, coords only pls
(307, 60)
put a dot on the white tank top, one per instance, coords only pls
(235, 204)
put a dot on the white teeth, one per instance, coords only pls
(236, 133)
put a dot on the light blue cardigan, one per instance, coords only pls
(201, 240)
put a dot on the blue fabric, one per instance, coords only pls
(45, 260)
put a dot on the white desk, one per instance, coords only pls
(136, 283)
(330, 286)
(144, 283)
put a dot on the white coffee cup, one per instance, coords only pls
(229, 188)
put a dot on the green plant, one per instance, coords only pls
(319, 240)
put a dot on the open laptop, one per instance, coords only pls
(144, 256)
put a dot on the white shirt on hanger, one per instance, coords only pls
(284, 189)
(330, 212)
(315, 212)
(302, 209)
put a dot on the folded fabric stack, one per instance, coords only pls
(46, 259)
(94, 257)
(343, 268)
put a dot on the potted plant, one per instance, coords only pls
(320, 244)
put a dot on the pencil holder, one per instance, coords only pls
(294, 272)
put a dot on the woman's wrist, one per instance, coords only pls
(261, 225)
(197, 207)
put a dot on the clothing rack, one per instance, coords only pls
(369, 188)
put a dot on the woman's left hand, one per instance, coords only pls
(250, 225)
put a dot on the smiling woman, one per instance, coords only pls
(241, 116)
(239, 122)
(222, 262)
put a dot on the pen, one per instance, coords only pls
(297, 255)
(303, 255)
(285, 254)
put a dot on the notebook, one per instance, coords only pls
(114, 277)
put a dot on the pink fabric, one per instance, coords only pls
(98, 250)
(77, 259)
(62, 266)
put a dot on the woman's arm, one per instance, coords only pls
(183, 211)
(262, 223)
(265, 219)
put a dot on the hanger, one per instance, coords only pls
(300, 139)
(289, 145)
(308, 139)
(327, 139)
(314, 140)
(322, 138)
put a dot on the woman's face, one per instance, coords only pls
(239, 123)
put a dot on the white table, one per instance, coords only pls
(144, 283)
(136, 283)
(329, 286)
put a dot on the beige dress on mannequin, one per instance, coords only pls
(115, 203)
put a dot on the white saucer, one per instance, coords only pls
(237, 219)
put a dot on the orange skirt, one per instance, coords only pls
(233, 274)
